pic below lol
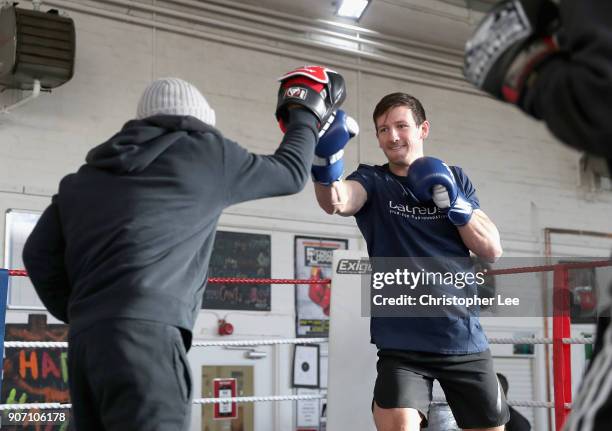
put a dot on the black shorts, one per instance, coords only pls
(405, 380)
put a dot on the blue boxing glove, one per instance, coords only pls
(328, 164)
(432, 179)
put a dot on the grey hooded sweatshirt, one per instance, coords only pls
(130, 234)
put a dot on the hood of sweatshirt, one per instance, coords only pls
(140, 142)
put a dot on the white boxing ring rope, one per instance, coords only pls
(277, 341)
(53, 406)
(270, 342)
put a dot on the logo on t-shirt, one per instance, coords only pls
(415, 212)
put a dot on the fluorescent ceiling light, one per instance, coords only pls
(352, 8)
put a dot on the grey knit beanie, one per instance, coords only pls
(173, 96)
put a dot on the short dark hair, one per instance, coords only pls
(400, 99)
(503, 381)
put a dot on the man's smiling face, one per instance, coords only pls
(400, 138)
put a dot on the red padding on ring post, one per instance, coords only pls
(562, 361)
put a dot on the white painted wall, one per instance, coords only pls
(526, 181)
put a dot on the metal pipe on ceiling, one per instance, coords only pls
(290, 22)
(266, 33)
(339, 26)
(458, 85)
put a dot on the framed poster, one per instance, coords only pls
(306, 366)
(583, 294)
(313, 260)
(239, 254)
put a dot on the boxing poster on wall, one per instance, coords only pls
(313, 260)
(583, 291)
(244, 255)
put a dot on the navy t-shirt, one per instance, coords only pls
(395, 224)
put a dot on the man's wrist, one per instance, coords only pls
(299, 115)
(461, 212)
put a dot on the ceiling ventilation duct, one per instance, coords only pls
(35, 46)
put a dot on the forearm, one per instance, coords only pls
(327, 197)
(481, 236)
(324, 197)
(251, 176)
(296, 151)
(572, 91)
(572, 100)
(344, 198)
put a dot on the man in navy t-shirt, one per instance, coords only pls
(416, 206)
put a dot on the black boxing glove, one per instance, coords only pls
(511, 42)
(316, 88)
